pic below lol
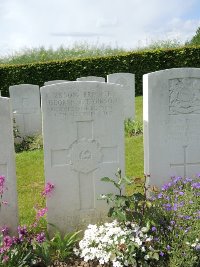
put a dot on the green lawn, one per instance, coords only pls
(30, 182)
(30, 171)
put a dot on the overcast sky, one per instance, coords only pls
(125, 23)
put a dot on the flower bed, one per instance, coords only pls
(160, 230)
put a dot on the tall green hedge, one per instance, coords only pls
(138, 63)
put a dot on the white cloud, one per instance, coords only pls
(34, 23)
(107, 22)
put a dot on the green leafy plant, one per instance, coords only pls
(123, 207)
(43, 252)
(63, 246)
(16, 132)
(133, 127)
(29, 143)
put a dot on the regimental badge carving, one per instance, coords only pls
(184, 96)
(85, 156)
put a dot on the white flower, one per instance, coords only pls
(149, 238)
(117, 264)
(126, 263)
(146, 257)
(122, 241)
(86, 258)
(101, 261)
(76, 251)
(143, 249)
(138, 241)
(102, 243)
(144, 229)
(132, 238)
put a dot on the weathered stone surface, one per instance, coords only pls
(25, 99)
(91, 79)
(171, 124)
(55, 81)
(9, 211)
(128, 82)
(83, 142)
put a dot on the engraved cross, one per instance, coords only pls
(84, 156)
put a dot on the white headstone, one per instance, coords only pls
(128, 82)
(25, 99)
(83, 142)
(55, 81)
(91, 79)
(171, 124)
(9, 211)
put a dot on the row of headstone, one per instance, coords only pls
(93, 147)
(84, 141)
(26, 101)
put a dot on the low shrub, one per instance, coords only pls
(29, 143)
(133, 127)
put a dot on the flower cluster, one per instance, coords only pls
(27, 238)
(178, 208)
(2, 189)
(121, 244)
(2, 184)
(24, 238)
(47, 192)
(41, 212)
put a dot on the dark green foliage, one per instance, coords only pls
(29, 143)
(138, 63)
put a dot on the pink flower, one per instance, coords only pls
(48, 189)
(40, 213)
(7, 241)
(40, 237)
(2, 184)
(4, 230)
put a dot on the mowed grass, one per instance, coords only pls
(30, 171)
(30, 183)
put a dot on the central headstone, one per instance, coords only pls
(171, 124)
(8, 212)
(83, 141)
